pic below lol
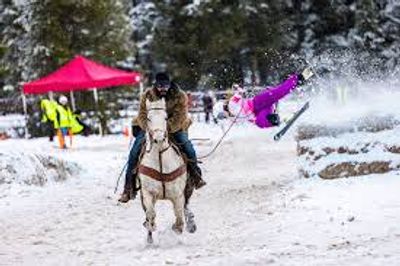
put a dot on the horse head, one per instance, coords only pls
(157, 121)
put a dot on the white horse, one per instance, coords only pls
(162, 173)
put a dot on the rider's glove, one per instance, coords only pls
(135, 130)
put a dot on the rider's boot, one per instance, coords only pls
(195, 174)
(129, 192)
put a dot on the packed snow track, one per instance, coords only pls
(255, 210)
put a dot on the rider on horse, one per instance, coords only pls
(178, 123)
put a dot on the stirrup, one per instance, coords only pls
(201, 183)
(125, 197)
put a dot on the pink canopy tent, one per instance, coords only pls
(81, 74)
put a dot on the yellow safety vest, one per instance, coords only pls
(49, 110)
(76, 127)
(65, 117)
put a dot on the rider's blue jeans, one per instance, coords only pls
(133, 157)
(181, 138)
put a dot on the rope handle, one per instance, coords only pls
(223, 135)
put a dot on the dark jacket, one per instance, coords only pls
(208, 103)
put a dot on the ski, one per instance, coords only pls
(289, 123)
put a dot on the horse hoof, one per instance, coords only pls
(150, 238)
(177, 229)
(150, 227)
(191, 228)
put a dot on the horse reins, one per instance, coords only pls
(223, 135)
(161, 168)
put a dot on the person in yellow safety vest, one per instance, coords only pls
(48, 109)
(63, 121)
(77, 125)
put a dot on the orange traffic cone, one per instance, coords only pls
(125, 132)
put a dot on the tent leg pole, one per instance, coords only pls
(71, 95)
(25, 107)
(96, 99)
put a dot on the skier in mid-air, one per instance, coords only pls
(261, 109)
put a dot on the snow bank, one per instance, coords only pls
(358, 139)
(356, 135)
(34, 169)
(337, 153)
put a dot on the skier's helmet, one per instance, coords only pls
(63, 100)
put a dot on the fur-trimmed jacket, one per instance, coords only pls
(177, 109)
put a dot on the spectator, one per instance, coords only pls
(49, 113)
(63, 121)
(208, 104)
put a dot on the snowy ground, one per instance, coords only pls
(255, 210)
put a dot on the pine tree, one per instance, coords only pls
(390, 26)
(98, 29)
(326, 25)
(368, 35)
(269, 38)
(38, 36)
(144, 17)
(216, 43)
(200, 42)
(12, 43)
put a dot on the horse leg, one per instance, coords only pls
(148, 205)
(149, 233)
(178, 209)
(191, 226)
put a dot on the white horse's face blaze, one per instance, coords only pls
(157, 120)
